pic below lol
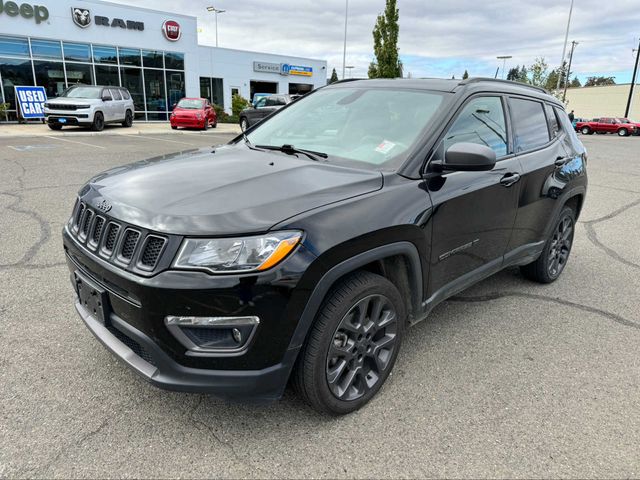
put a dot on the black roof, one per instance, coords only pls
(445, 85)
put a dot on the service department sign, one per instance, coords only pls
(266, 67)
(31, 101)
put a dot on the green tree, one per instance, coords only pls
(387, 62)
(575, 83)
(513, 74)
(238, 103)
(523, 75)
(599, 81)
(538, 73)
(334, 77)
(465, 75)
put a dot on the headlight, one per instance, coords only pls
(233, 255)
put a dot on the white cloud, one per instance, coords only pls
(435, 37)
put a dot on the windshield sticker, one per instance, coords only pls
(385, 147)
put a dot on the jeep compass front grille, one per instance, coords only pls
(121, 244)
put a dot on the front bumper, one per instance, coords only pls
(187, 122)
(142, 355)
(70, 118)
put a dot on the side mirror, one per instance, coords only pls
(466, 157)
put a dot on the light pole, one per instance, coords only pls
(350, 67)
(633, 82)
(568, 72)
(216, 11)
(504, 59)
(566, 39)
(344, 50)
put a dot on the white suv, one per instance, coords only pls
(91, 106)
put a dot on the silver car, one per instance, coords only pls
(91, 106)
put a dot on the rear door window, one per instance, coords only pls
(115, 94)
(125, 94)
(554, 126)
(529, 124)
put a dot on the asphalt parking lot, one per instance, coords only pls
(509, 379)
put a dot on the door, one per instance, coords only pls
(539, 147)
(209, 112)
(473, 212)
(107, 105)
(271, 104)
(606, 125)
(118, 104)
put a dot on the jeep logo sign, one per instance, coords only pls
(37, 12)
(171, 30)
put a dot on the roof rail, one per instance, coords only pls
(347, 80)
(488, 79)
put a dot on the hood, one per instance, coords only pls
(73, 101)
(233, 190)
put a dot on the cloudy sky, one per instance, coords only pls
(438, 38)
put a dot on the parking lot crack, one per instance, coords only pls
(586, 308)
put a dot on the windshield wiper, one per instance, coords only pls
(291, 150)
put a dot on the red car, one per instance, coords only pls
(194, 113)
(606, 125)
(637, 124)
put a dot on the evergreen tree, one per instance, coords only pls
(575, 83)
(465, 75)
(387, 63)
(334, 76)
(513, 74)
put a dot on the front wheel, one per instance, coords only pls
(128, 119)
(352, 346)
(54, 126)
(205, 126)
(551, 263)
(98, 122)
(623, 132)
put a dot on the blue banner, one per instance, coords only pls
(31, 101)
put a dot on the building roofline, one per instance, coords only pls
(260, 53)
(144, 9)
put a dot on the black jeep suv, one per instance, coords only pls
(304, 248)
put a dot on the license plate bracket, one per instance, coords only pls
(92, 297)
(62, 120)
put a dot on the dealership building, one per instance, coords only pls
(154, 54)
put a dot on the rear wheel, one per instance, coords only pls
(98, 122)
(244, 124)
(551, 263)
(54, 126)
(128, 119)
(352, 346)
(623, 132)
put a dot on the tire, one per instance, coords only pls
(54, 126)
(555, 255)
(623, 132)
(173, 127)
(128, 119)
(337, 379)
(244, 124)
(585, 130)
(215, 124)
(205, 127)
(98, 122)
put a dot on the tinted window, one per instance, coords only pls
(174, 61)
(115, 94)
(565, 124)
(14, 46)
(125, 94)
(530, 124)
(79, 52)
(262, 102)
(46, 49)
(152, 58)
(79, 73)
(481, 121)
(271, 102)
(104, 54)
(129, 56)
(554, 127)
(107, 75)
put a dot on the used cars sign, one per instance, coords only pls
(31, 101)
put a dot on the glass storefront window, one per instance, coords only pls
(14, 72)
(205, 87)
(77, 52)
(154, 88)
(107, 75)
(50, 75)
(175, 87)
(46, 49)
(152, 58)
(217, 95)
(129, 56)
(174, 61)
(132, 81)
(104, 54)
(14, 46)
(79, 73)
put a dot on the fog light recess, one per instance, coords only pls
(213, 335)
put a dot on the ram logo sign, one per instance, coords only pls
(81, 17)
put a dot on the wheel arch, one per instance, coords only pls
(399, 262)
(573, 198)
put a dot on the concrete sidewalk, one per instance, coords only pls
(41, 130)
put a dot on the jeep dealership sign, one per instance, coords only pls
(38, 12)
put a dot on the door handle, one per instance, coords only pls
(509, 179)
(560, 161)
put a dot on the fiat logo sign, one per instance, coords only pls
(172, 30)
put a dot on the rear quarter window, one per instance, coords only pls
(125, 94)
(529, 124)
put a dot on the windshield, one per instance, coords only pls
(83, 92)
(373, 127)
(190, 104)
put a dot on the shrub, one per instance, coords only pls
(238, 103)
